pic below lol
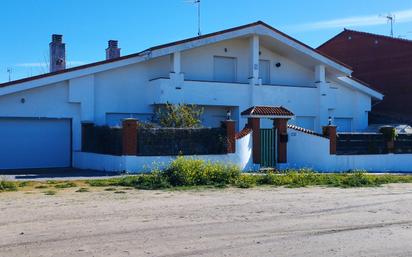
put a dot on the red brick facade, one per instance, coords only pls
(385, 63)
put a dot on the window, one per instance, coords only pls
(224, 69)
(343, 124)
(264, 71)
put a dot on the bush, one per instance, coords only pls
(7, 186)
(179, 116)
(155, 180)
(246, 181)
(191, 172)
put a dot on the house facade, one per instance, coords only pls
(224, 72)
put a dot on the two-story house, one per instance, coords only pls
(229, 70)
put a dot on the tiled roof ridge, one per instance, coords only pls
(304, 130)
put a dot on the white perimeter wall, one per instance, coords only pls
(309, 151)
(140, 164)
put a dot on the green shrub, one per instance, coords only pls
(155, 180)
(246, 181)
(7, 186)
(191, 172)
(179, 116)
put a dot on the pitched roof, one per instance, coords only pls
(173, 44)
(267, 111)
(366, 34)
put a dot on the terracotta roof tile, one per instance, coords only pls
(307, 131)
(267, 111)
(245, 131)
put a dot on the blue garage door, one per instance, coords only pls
(34, 143)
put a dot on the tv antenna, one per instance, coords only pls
(391, 19)
(9, 71)
(197, 2)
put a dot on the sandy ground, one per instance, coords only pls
(227, 222)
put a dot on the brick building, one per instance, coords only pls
(383, 62)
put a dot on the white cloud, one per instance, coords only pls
(356, 21)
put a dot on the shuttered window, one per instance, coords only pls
(224, 69)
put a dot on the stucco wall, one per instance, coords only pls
(50, 101)
(139, 164)
(309, 151)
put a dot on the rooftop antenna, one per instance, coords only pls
(9, 71)
(391, 19)
(199, 33)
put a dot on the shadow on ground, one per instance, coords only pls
(56, 173)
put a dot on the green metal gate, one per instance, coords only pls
(267, 148)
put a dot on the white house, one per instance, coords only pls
(229, 70)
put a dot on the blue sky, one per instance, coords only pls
(138, 24)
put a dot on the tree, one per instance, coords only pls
(179, 116)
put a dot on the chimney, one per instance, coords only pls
(57, 53)
(112, 51)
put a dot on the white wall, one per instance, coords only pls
(139, 164)
(310, 151)
(50, 101)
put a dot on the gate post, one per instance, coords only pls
(129, 137)
(254, 124)
(230, 132)
(330, 132)
(281, 126)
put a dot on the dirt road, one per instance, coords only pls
(228, 222)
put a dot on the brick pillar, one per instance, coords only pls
(254, 124)
(330, 132)
(129, 137)
(230, 132)
(282, 139)
(86, 134)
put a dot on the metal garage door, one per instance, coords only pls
(34, 143)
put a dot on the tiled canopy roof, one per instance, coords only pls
(267, 111)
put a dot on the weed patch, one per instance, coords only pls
(50, 192)
(7, 186)
(82, 190)
(66, 185)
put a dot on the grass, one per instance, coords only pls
(66, 185)
(189, 174)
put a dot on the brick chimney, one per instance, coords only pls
(57, 53)
(112, 51)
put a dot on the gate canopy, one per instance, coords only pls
(268, 112)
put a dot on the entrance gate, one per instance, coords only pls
(268, 148)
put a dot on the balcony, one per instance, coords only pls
(165, 90)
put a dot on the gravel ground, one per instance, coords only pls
(228, 222)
